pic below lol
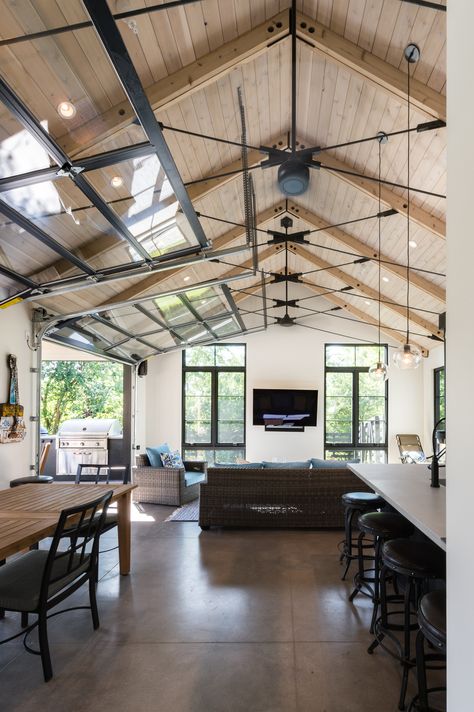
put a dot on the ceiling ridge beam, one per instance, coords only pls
(379, 72)
(180, 84)
(433, 290)
(349, 280)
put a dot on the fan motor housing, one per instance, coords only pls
(293, 177)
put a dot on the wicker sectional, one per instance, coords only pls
(166, 485)
(275, 497)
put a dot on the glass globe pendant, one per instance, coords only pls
(407, 357)
(378, 372)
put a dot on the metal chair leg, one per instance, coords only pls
(93, 601)
(44, 646)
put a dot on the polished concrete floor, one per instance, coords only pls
(215, 621)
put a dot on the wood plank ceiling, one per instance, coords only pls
(351, 83)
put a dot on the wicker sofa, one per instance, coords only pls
(167, 485)
(238, 497)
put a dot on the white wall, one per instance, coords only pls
(285, 358)
(459, 356)
(15, 323)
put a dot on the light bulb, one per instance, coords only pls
(67, 110)
(406, 357)
(116, 181)
(378, 372)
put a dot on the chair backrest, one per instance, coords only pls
(410, 448)
(81, 526)
(45, 448)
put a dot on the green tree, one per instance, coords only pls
(80, 389)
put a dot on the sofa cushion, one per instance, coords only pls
(316, 463)
(172, 459)
(154, 454)
(240, 465)
(193, 478)
(287, 465)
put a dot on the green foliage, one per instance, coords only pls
(80, 389)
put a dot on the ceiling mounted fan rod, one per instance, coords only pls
(384, 182)
(293, 75)
(419, 128)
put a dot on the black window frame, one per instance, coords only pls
(355, 370)
(436, 394)
(214, 370)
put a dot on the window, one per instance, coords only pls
(439, 394)
(214, 403)
(355, 424)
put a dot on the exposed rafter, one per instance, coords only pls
(366, 251)
(349, 280)
(376, 70)
(181, 84)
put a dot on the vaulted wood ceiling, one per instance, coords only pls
(191, 60)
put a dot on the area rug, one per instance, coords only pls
(187, 513)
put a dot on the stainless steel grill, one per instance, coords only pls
(85, 441)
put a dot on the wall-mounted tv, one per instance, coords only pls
(284, 408)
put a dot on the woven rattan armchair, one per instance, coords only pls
(168, 485)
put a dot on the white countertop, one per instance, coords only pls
(407, 489)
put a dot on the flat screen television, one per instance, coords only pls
(284, 408)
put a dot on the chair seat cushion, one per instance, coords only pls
(422, 559)
(387, 525)
(20, 579)
(32, 480)
(194, 478)
(432, 617)
(111, 520)
(363, 499)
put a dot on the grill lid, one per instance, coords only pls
(104, 427)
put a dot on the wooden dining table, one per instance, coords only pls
(31, 512)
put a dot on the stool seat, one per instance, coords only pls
(41, 480)
(363, 499)
(432, 617)
(420, 559)
(386, 525)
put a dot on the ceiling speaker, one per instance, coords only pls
(293, 177)
(142, 368)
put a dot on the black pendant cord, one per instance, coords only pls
(408, 203)
(379, 243)
(293, 76)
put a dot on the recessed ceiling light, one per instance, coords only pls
(116, 181)
(187, 278)
(367, 301)
(412, 243)
(67, 110)
(385, 279)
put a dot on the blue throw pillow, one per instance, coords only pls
(316, 463)
(154, 454)
(287, 465)
(172, 459)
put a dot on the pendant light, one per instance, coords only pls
(408, 356)
(378, 372)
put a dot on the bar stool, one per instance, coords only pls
(381, 526)
(432, 623)
(356, 503)
(418, 562)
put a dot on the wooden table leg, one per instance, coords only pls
(124, 532)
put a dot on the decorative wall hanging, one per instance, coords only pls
(12, 423)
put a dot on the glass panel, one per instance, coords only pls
(173, 310)
(19, 151)
(372, 406)
(230, 355)
(231, 404)
(199, 356)
(367, 355)
(197, 407)
(216, 456)
(340, 355)
(378, 456)
(339, 384)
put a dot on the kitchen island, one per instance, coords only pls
(407, 489)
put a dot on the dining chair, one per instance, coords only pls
(41, 579)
